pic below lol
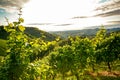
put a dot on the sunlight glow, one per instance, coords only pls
(60, 12)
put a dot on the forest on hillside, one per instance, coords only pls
(26, 57)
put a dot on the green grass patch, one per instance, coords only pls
(2, 47)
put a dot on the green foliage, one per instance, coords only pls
(83, 51)
(3, 33)
(21, 53)
(61, 59)
(71, 59)
(78, 56)
(74, 58)
(109, 50)
(2, 50)
(18, 50)
(2, 47)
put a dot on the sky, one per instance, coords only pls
(60, 15)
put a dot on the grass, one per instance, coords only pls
(2, 47)
(2, 50)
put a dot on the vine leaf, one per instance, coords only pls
(21, 28)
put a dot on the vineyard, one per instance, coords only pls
(76, 58)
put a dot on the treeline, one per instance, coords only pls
(73, 59)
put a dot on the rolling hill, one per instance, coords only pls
(31, 32)
(36, 33)
(84, 32)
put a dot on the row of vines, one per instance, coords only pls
(36, 59)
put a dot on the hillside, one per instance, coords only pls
(2, 47)
(36, 33)
(31, 32)
(84, 32)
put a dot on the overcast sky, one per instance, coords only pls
(57, 15)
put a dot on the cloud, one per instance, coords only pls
(110, 13)
(40, 24)
(108, 5)
(113, 22)
(12, 4)
(80, 17)
(108, 8)
(63, 25)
